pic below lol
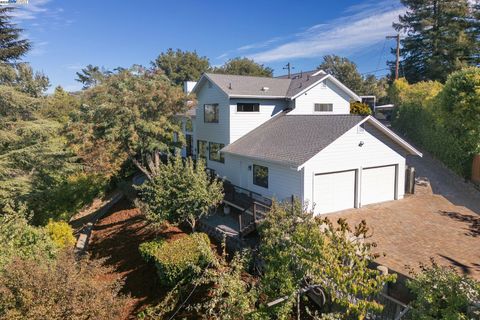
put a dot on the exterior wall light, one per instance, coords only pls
(361, 144)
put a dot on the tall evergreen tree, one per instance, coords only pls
(442, 36)
(12, 47)
(244, 67)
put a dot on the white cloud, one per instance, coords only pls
(39, 48)
(363, 25)
(30, 11)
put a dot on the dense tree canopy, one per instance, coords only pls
(441, 36)
(180, 66)
(346, 71)
(91, 75)
(244, 67)
(12, 47)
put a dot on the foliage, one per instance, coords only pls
(60, 105)
(22, 77)
(419, 94)
(19, 239)
(360, 108)
(299, 249)
(460, 107)
(180, 66)
(180, 191)
(149, 249)
(12, 47)
(91, 76)
(231, 297)
(435, 116)
(125, 117)
(347, 73)
(244, 67)
(60, 290)
(441, 293)
(61, 234)
(179, 259)
(441, 37)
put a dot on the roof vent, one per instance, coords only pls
(230, 85)
(265, 89)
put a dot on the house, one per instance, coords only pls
(284, 137)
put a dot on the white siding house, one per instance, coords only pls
(284, 137)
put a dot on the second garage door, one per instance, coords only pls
(378, 184)
(334, 191)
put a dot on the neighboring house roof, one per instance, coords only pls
(294, 139)
(235, 86)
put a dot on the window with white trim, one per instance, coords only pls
(323, 107)
(260, 176)
(210, 113)
(214, 152)
(248, 107)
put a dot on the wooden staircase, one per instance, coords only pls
(250, 217)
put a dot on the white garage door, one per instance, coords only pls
(378, 184)
(334, 191)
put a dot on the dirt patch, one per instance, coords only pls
(115, 238)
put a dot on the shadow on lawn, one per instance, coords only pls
(116, 238)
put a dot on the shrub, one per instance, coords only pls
(18, 238)
(61, 233)
(441, 293)
(179, 259)
(360, 108)
(179, 191)
(149, 249)
(63, 289)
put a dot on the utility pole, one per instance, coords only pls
(397, 63)
(289, 68)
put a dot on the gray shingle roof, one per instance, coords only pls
(292, 139)
(235, 85)
(281, 87)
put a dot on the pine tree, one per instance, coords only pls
(442, 36)
(12, 47)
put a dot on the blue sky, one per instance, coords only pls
(68, 35)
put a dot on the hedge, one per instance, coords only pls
(179, 259)
(420, 126)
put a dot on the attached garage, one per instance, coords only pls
(378, 184)
(334, 191)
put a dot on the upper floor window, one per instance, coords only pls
(323, 107)
(210, 113)
(248, 107)
(215, 154)
(260, 176)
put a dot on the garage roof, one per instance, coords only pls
(292, 139)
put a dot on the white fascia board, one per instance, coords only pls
(309, 87)
(392, 135)
(204, 78)
(240, 96)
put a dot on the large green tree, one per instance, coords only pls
(244, 67)
(128, 116)
(441, 36)
(180, 66)
(346, 72)
(12, 47)
(91, 76)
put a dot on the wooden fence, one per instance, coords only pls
(476, 169)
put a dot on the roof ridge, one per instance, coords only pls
(245, 76)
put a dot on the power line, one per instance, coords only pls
(373, 71)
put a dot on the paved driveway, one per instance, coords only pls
(446, 183)
(423, 226)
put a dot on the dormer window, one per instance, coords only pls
(323, 107)
(248, 107)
